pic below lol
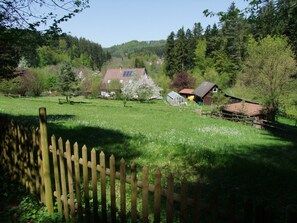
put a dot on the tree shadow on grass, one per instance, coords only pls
(263, 173)
(101, 139)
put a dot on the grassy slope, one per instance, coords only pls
(226, 155)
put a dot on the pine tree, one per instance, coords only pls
(180, 51)
(67, 82)
(169, 55)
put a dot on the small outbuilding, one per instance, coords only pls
(186, 92)
(248, 109)
(175, 99)
(203, 93)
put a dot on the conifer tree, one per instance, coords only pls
(169, 55)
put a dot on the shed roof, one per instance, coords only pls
(203, 89)
(246, 108)
(173, 94)
(186, 91)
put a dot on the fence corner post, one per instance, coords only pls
(43, 146)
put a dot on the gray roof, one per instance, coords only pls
(203, 89)
(173, 95)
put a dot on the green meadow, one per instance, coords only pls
(226, 156)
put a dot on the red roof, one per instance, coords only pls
(186, 91)
(246, 108)
(123, 74)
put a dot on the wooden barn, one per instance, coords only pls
(203, 93)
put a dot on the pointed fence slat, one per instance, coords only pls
(86, 181)
(103, 186)
(45, 161)
(63, 179)
(70, 179)
(94, 184)
(77, 181)
(133, 193)
(123, 189)
(56, 174)
(112, 188)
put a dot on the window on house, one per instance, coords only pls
(215, 89)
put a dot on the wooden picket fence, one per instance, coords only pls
(73, 178)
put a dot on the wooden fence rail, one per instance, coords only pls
(85, 187)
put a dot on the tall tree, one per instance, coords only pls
(67, 81)
(269, 70)
(235, 31)
(180, 51)
(169, 55)
(190, 50)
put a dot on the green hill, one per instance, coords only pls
(138, 48)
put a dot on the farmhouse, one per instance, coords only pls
(204, 92)
(175, 99)
(115, 78)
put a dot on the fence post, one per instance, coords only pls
(45, 160)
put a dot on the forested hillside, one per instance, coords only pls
(250, 53)
(143, 48)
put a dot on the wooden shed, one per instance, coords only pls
(204, 92)
(186, 92)
(175, 99)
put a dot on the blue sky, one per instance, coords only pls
(113, 22)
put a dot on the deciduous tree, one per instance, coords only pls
(183, 80)
(269, 70)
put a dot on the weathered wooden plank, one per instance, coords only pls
(112, 188)
(45, 160)
(103, 186)
(86, 182)
(169, 200)
(157, 196)
(183, 203)
(70, 180)
(145, 186)
(133, 193)
(56, 173)
(123, 189)
(94, 184)
(77, 181)
(63, 179)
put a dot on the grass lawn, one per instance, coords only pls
(228, 156)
